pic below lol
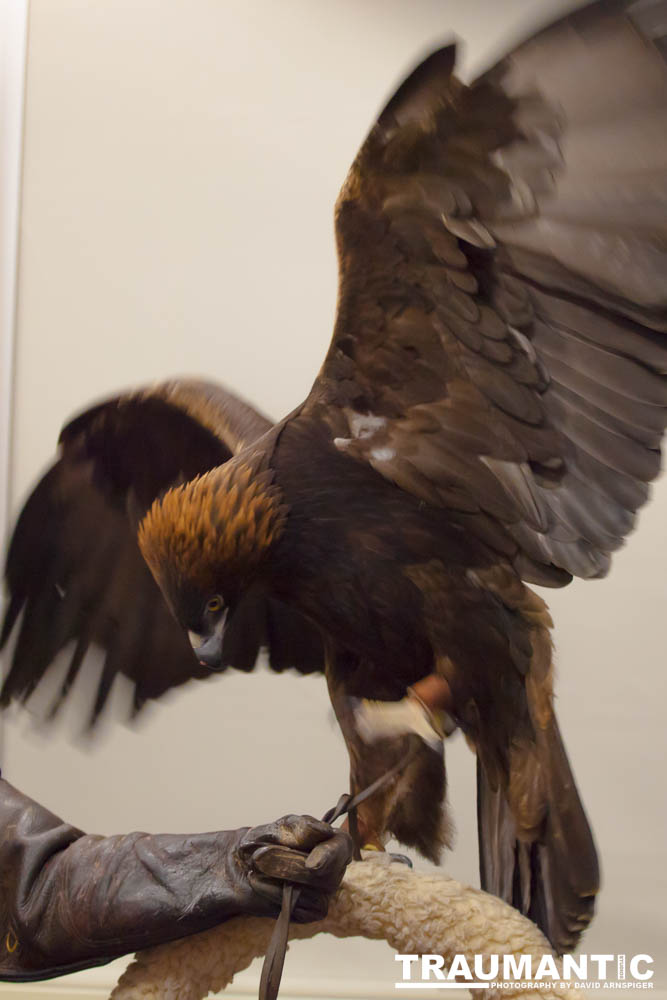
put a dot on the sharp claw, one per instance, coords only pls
(402, 859)
(389, 856)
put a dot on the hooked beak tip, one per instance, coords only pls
(207, 649)
(210, 655)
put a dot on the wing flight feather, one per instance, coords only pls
(500, 345)
(76, 578)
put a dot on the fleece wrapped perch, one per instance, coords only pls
(415, 912)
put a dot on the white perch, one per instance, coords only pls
(415, 912)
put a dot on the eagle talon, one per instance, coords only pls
(401, 859)
(389, 856)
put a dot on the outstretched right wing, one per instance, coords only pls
(76, 577)
(500, 349)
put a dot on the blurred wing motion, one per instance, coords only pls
(74, 571)
(503, 290)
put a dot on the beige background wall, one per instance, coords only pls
(181, 164)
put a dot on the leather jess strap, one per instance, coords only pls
(287, 864)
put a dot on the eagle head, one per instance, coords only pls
(205, 543)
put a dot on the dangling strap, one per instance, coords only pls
(274, 959)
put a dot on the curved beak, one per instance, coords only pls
(208, 648)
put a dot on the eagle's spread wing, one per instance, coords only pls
(499, 348)
(74, 572)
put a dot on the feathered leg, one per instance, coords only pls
(411, 805)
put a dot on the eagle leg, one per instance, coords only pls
(369, 842)
(366, 829)
(410, 804)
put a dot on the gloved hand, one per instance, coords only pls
(70, 900)
(297, 849)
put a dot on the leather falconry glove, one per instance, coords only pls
(70, 900)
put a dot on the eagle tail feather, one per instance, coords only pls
(551, 876)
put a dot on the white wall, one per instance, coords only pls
(13, 26)
(182, 158)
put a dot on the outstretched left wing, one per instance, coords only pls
(75, 575)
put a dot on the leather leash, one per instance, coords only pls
(274, 959)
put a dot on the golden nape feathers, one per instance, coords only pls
(228, 517)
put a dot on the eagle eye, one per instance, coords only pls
(214, 605)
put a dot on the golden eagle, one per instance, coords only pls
(488, 415)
